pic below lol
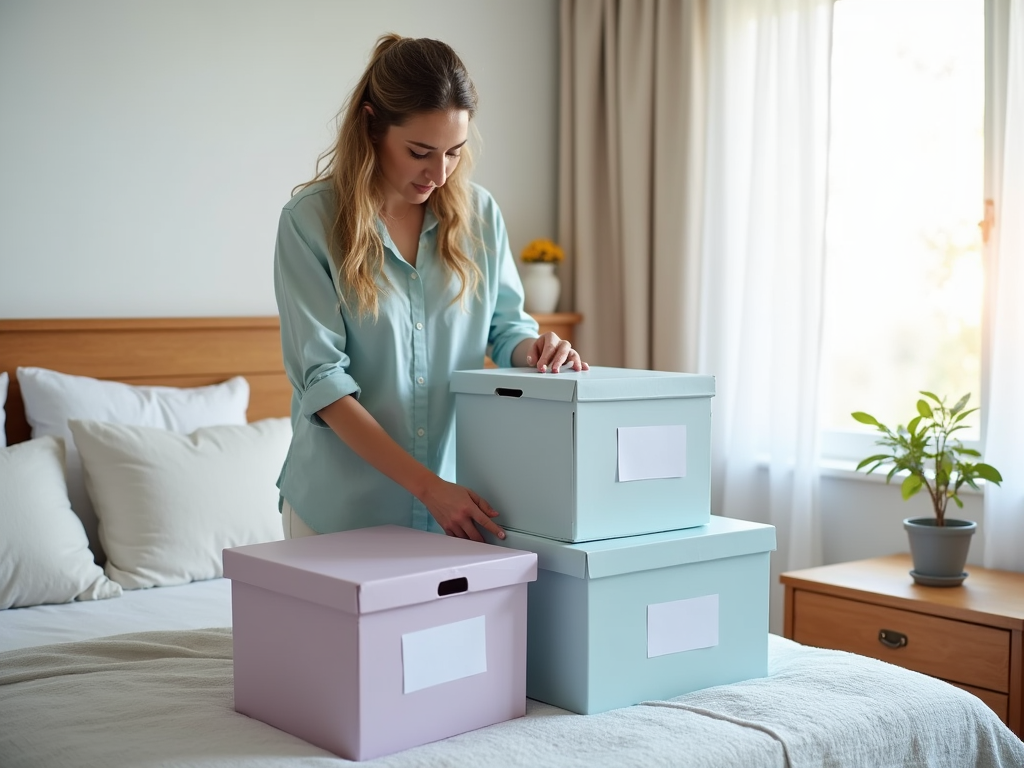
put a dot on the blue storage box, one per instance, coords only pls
(612, 623)
(591, 455)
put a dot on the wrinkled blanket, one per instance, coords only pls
(166, 699)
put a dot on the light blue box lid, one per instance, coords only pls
(722, 537)
(594, 385)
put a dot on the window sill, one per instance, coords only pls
(843, 469)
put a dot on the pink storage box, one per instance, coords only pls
(371, 641)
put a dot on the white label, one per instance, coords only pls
(441, 654)
(682, 625)
(646, 453)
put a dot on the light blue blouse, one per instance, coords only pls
(399, 366)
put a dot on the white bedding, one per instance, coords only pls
(191, 606)
(164, 698)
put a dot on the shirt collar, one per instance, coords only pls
(429, 223)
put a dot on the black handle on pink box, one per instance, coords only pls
(452, 586)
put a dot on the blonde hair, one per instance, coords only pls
(405, 77)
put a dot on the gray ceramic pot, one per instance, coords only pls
(939, 552)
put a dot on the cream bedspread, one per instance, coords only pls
(165, 699)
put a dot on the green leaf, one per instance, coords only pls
(956, 500)
(924, 409)
(911, 486)
(988, 472)
(933, 397)
(966, 451)
(964, 415)
(879, 457)
(960, 404)
(912, 426)
(865, 418)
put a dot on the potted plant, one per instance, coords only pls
(935, 460)
(540, 283)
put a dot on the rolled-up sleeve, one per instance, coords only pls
(313, 333)
(510, 325)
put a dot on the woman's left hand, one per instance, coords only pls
(550, 353)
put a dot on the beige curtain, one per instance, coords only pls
(630, 178)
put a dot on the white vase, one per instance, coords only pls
(541, 287)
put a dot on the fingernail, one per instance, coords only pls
(501, 535)
(529, 360)
(543, 368)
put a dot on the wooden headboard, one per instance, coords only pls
(176, 352)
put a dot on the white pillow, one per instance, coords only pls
(52, 398)
(169, 504)
(44, 553)
(3, 413)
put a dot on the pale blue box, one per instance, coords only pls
(582, 456)
(696, 598)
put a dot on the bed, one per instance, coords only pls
(143, 677)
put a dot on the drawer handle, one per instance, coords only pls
(891, 639)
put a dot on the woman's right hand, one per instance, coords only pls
(459, 511)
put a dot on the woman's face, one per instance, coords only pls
(419, 156)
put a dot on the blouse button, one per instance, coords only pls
(421, 432)
(419, 326)
(421, 380)
(414, 276)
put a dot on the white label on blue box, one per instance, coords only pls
(441, 654)
(648, 453)
(682, 625)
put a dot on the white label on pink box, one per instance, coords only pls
(648, 453)
(682, 625)
(441, 654)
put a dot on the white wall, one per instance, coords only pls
(146, 148)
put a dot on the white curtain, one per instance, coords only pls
(1004, 405)
(762, 264)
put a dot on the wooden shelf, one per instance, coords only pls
(561, 323)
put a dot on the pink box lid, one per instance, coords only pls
(377, 569)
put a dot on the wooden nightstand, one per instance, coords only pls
(971, 636)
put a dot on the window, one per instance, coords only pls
(904, 280)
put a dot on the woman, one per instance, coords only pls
(391, 271)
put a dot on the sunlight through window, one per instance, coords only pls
(903, 295)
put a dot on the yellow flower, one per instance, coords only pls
(542, 250)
